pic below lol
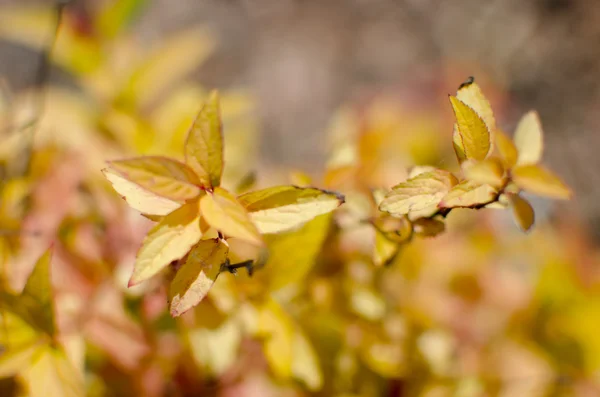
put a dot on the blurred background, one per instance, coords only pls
(479, 307)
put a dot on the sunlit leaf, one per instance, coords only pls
(305, 365)
(197, 275)
(160, 175)
(16, 359)
(506, 149)
(468, 194)
(204, 144)
(489, 171)
(222, 211)
(293, 254)
(529, 139)
(458, 146)
(470, 94)
(216, 350)
(419, 196)
(282, 208)
(474, 133)
(537, 180)
(277, 330)
(171, 239)
(139, 198)
(522, 212)
(52, 374)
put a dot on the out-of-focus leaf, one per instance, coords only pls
(470, 94)
(115, 16)
(197, 275)
(474, 133)
(139, 198)
(489, 171)
(427, 227)
(385, 250)
(419, 196)
(366, 303)
(529, 139)
(282, 208)
(468, 194)
(15, 360)
(537, 180)
(160, 175)
(522, 212)
(204, 144)
(52, 374)
(305, 365)
(169, 240)
(506, 149)
(170, 62)
(222, 211)
(293, 254)
(215, 350)
(277, 330)
(394, 229)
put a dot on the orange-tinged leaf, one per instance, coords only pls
(52, 374)
(537, 180)
(474, 133)
(282, 208)
(171, 239)
(222, 211)
(489, 171)
(468, 194)
(139, 198)
(470, 94)
(529, 139)
(506, 149)
(197, 275)
(522, 212)
(160, 175)
(204, 143)
(418, 196)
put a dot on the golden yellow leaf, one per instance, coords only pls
(197, 275)
(52, 374)
(418, 196)
(529, 139)
(489, 171)
(160, 175)
(16, 359)
(281, 208)
(277, 329)
(204, 143)
(470, 94)
(139, 198)
(171, 239)
(293, 254)
(506, 149)
(222, 211)
(537, 180)
(385, 250)
(457, 143)
(474, 133)
(522, 212)
(305, 364)
(427, 227)
(468, 194)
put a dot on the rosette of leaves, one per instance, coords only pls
(196, 216)
(495, 170)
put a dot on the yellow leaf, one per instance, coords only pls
(171, 239)
(426, 227)
(293, 254)
(276, 328)
(398, 230)
(216, 350)
(222, 211)
(160, 175)
(204, 143)
(506, 149)
(489, 171)
(52, 374)
(281, 208)
(418, 196)
(385, 250)
(473, 131)
(470, 94)
(522, 212)
(15, 360)
(197, 275)
(305, 365)
(457, 143)
(529, 139)
(139, 198)
(468, 194)
(538, 180)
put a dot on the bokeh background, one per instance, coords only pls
(483, 306)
